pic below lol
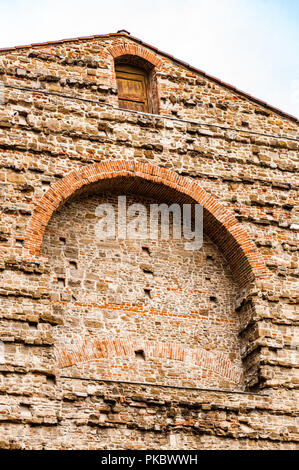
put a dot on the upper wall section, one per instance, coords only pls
(84, 68)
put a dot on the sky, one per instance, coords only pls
(251, 44)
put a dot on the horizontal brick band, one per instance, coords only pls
(232, 239)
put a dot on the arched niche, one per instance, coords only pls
(145, 335)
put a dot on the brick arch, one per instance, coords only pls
(241, 253)
(89, 348)
(135, 50)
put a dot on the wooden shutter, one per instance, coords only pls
(132, 84)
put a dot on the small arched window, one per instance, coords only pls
(136, 84)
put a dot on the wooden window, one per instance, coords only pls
(133, 88)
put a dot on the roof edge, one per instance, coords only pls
(165, 54)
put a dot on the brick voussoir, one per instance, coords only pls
(112, 169)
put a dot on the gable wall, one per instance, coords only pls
(45, 136)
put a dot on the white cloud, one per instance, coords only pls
(251, 45)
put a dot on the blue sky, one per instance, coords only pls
(251, 44)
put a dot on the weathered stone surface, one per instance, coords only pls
(84, 319)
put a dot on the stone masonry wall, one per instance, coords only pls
(85, 319)
(117, 298)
